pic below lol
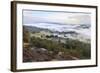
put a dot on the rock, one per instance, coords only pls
(42, 54)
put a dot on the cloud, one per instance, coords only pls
(55, 17)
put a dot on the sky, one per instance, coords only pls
(31, 17)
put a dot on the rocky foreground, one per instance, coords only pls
(42, 54)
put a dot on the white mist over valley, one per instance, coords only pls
(81, 32)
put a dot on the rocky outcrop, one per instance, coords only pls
(42, 54)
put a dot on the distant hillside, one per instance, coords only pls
(34, 29)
